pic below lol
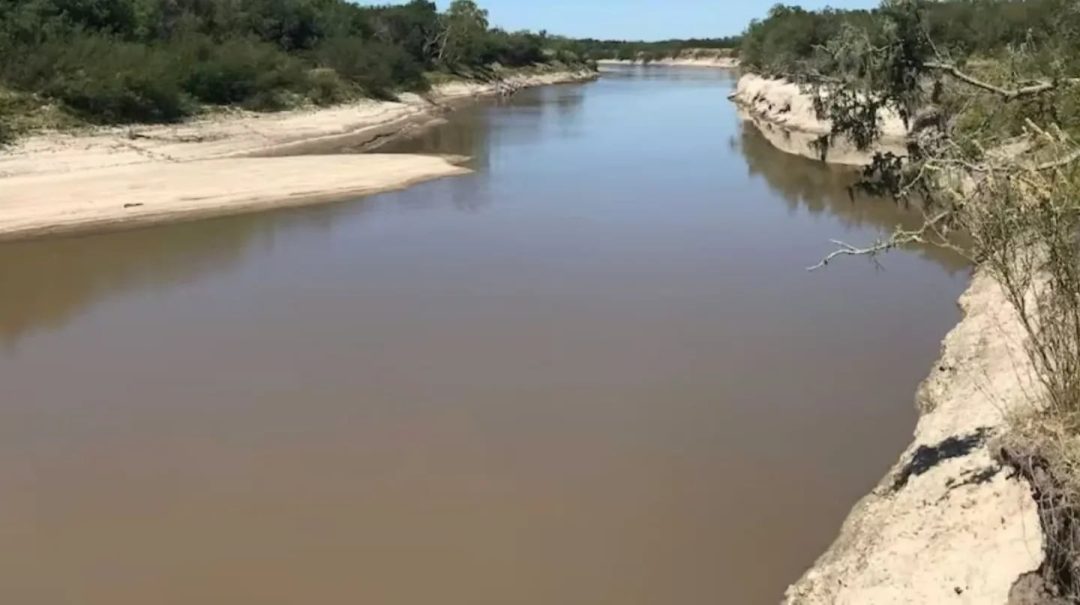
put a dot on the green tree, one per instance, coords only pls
(463, 34)
(413, 27)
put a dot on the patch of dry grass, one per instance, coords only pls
(22, 113)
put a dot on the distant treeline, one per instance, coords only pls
(788, 39)
(650, 51)
(116, 61)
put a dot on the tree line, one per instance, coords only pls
(790, 39)
(628, 50)
(115, 61)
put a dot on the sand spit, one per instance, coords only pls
(224, 164)
(135, 195)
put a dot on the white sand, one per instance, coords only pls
(142, 194)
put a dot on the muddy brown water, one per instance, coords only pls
(593, 372)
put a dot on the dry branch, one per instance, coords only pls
(1009, 94)
(896, 240)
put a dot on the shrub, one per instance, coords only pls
(376, 67)
(514, 50)
(327, 88)
(107, 80)
(239, 72)
(5, 130)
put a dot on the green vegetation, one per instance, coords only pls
(790, 39)
(991, 92)
(116, 61)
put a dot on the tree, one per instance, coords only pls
(413, 27)
(463, 32)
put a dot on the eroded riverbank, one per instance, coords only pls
(785, 115)
(950, 522)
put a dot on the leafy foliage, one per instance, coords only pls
(236, 71)
(6, 133)
(107, 80)
(158, 60)
(788, 41)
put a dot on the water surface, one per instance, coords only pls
(593, 372)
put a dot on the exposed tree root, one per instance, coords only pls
(1057, 581)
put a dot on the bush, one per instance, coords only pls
(327, 88)
(567, 57)
(5, 131)
(239, 72)
(107, 80)
(514, 50)
(376, 67)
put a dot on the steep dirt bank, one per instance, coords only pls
(720, 63)
(948, 523)
(119, 177)
(785, 115)
(690, 57)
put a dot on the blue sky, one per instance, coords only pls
(636, 19)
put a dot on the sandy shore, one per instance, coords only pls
(224, 164)
(135, 195)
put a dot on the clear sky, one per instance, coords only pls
(636, 19)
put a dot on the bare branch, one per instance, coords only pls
(1061, 162)
(1009, 94)
(896, 240)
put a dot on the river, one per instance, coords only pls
(595, 371)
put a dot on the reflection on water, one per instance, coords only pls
(47, 284)
(822, 188)
(594, 371)
(58, 279)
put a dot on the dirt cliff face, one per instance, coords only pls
(785, 115)
(690, 57)
(951, 522)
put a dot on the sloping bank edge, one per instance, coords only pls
(949, 523)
